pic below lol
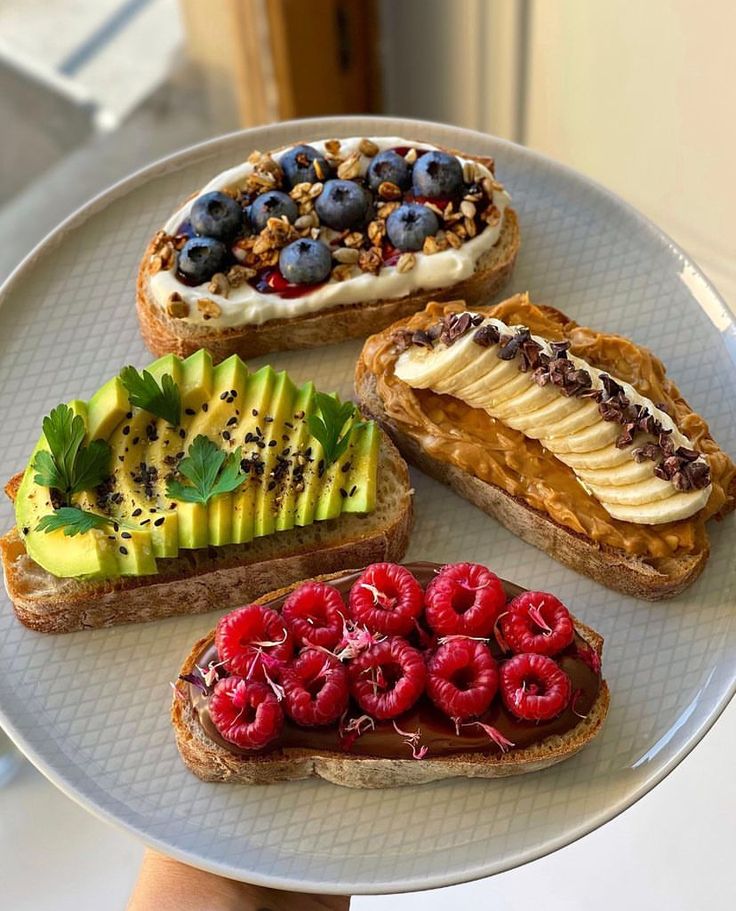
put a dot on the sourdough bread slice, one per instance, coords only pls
(611, 567)
(212, 578)
(212, 762)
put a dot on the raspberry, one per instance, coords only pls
(462, 678)
(386, 599)
(388, 678)
(464, 599)
(536, 622)
(534, 688)
(315, 688)
(246, 712)
(315, 613)
(252, 638)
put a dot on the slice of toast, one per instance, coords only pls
(164, 334)
(650, 580)
(212, 762)
(212, 578)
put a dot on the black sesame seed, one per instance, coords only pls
(269, 419)
(136, 440)
(353, 489)
(223, 396)
(189, 411)
(123, 550)
(126, 430)
(234, 393)
(160, 521)
(226, 434)
(182, 433)
(137, 512)
(254, 412)
(343, 492)
(272, 442)
(125, 534)
(233, 420)
(205, 406)
(146, 522)
(129, 415)
(346, 467)
(26, 529)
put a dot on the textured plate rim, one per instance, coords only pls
(706, 296)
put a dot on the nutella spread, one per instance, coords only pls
(438, 733)
(468, 437)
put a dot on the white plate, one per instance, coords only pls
(91, 709)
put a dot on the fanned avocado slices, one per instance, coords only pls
(197, 456)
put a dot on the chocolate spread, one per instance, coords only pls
(469, 438)
(437, 730)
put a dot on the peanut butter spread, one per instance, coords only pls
(453, 432)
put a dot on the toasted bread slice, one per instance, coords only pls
(212, 762)
(614, 568)
(164, 335)
(212, 578)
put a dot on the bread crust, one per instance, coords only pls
(212, 762)
(608, 566)
(212, 578)
(166, 335)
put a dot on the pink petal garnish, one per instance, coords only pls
(503, 743)
(177, 692)
(412, 740)
(536, 614)
(575, 696)
(499, 635)
(460, 636)
(278, 690)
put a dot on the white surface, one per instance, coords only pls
(672, 850)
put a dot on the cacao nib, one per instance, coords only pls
(508, 346)
(486, 336)
(454, 327)
(647, 451)
(422, 339)
(560, 349)
(401, 339)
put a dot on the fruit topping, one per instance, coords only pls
(315, 688)
(534, 687)
(409, 225)
(536, 622)
(464, 599)
(437, 174)
(252, 641)
(303, 164)
(246, 712)
(217, 215)
(315, 615)
(386, 599)
(388, 678)
(305, 261)
(273, 204)
(389, 167)
(342, 205)
(462, 678)
(200, 258)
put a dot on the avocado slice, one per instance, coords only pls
(220, 519)
(298, 437)
(360, 481)
(258, 394)
(279, 410)
(106, 409)
(193, 525)
(332, 493)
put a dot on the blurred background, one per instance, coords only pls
(638, 95)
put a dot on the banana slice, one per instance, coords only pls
(481, 367)
(605, 457)
(649, 490)
(423, 367)
(531, 399)
(672, 509)
(507, 372)
(492, 398)
(616, 475)
(586, 415)
(560, 407)
(597, 435)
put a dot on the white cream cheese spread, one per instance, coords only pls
(246, 305)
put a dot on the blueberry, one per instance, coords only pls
(408, 225)
(298, 164)
(273, 204)
(342, 204)
(305, 262)
(200, 258)
(388, 165)
(217, 215)
(437, 174)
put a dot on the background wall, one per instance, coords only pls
(640, 96)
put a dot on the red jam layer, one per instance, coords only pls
(437, 730)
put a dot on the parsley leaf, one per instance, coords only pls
(211, 471)
(74, 521)
(328, 426)
(67, 465)
(164, 401)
